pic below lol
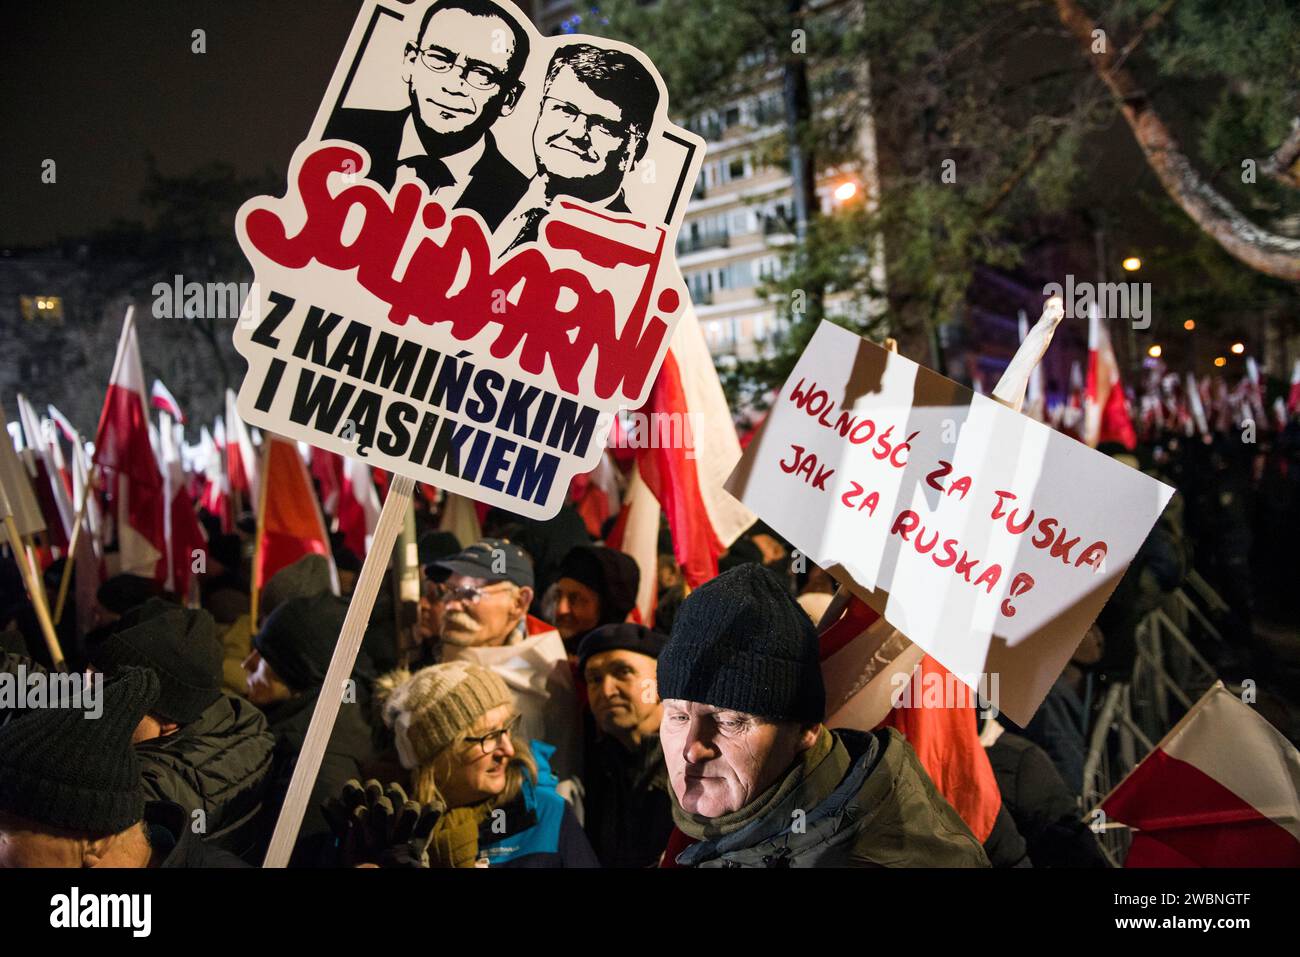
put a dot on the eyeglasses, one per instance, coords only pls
(492, 740)
(478, 75)
(597, 124)
(469, 594)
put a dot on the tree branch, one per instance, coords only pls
(1267, 252)
(1284, 164)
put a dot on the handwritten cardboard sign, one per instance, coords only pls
(472, 268)
(986, 537)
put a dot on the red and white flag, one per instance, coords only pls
(1222, 789)
(686, 477)
(358, 506)
(185, 537)
(1293, 397)
(162, 400)
(133, 480)
(290, 524)
(1105, 411)
(876, 678)
(241, 459)
(52, 492)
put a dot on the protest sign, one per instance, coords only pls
(473, 267)
(470, 273)
(985, 537)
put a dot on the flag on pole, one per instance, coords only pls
(185, 536)
(686, 473)
(47, 480)
(1222, 789)
(876, 678)
(1293, 397)
(358, 506)
(241, 459)
(162, 400)
(123, 452)
(636, 533)
(1105, 412)
(17, 486)
(290, 524)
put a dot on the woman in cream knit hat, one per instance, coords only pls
(453, 728)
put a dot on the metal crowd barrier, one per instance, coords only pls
(1169, 675)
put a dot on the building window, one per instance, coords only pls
(49, 308)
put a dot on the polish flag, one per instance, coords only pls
(185, 537)
(290, 524)
(1196, 408)
(327, 469)
(52, 494)
(1255, 390)
(686, 477)
(358, 506)
(596, 495)
(866, 664)
(134, 482)
(241, 459)
(1105, 411)
(216, 487)
(164, 401)
(1222, 789)
(1293, 398)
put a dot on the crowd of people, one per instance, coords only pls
(538, 722)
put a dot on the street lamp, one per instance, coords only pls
(1131, 264)
(1189, 325)
(1154, 352)
(1220, 362)
(846, 191)
(1238, 348)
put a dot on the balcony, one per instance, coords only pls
(699, 241)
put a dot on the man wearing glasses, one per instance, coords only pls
(484, 593)
(591, 131)
(462, 74)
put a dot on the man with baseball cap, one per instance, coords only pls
(628, 806)
(757, 779)
(484, 594)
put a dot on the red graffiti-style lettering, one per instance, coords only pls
(564, 338)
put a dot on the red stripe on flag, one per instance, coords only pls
(1185, 815)
(674, 480)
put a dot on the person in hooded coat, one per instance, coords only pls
(757, 780)
(286, 670)
(202, 749)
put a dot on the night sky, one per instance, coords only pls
(98, 85)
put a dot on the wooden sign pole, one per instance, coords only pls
(345, 655)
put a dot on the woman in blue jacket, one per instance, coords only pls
(453, 728)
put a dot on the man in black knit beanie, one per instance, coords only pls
(757, 779)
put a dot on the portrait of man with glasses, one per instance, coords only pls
(462, 74)
(591, 132)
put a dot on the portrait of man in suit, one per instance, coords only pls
(591, 132)
(462, 73)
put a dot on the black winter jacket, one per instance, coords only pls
(218, 764)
